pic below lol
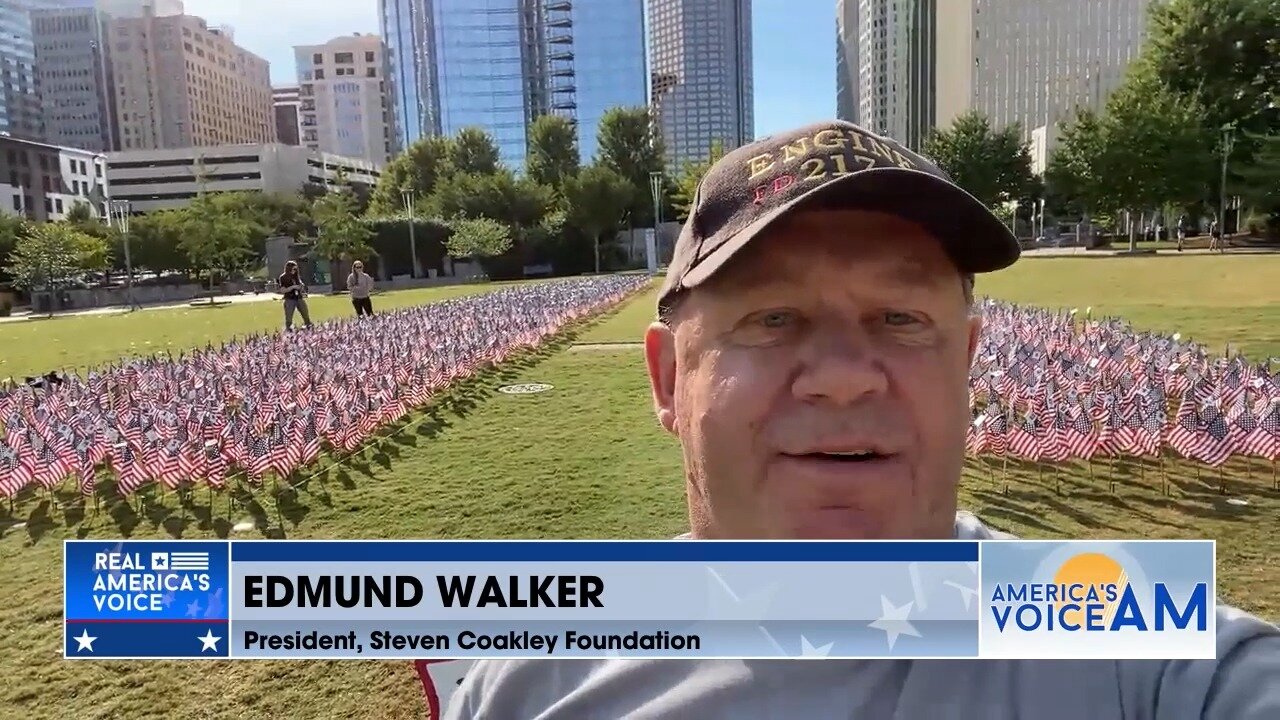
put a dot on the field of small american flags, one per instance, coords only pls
(586, 459)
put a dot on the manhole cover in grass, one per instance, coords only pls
(1237, 501)
(525, 389)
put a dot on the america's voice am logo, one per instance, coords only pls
(1084, 599)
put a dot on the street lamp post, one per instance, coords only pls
(406, 195)
(120, 209)
(651, 249)
(1228, 140)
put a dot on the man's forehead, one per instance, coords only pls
(809, 244)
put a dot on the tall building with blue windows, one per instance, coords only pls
(20, 112)
(500, 64)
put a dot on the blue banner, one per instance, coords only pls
(657, 599)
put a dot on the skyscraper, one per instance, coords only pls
(20, 111)
(701, 84)
(500, 64)
(286, 103)
(73, 73)
(1034, 62)
(342, 90)
(180, 83)
(885, 66)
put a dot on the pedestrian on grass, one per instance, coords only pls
(812, 354)
(360, 285)
(290, 285)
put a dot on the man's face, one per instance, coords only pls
(819, 383)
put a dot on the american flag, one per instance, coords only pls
(272, 402)
(1073, 390)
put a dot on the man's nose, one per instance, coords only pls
(839, 367)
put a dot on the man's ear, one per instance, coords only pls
(660, 359)
(975, 334)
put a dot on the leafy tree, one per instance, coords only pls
(478, 237)
(12, 229)
(1076, 171)
(417, 169)
(51, 254)
(1222, 55)
(474, 151)
(994, 166)
(630, 144)
(1156, 150)
(339, 232)
(214, 240)
(597, 198)
(500, 196)
(686, 183)
(155, 241)
(553, 152)
(80, 214)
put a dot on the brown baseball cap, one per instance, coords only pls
(833, 164)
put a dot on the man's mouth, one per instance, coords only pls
(841, 456)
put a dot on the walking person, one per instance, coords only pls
(360, 285)
(295, 295)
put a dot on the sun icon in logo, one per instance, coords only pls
(1092, 570)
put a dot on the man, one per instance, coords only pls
(294, 291)
(360, 285)
(812, 357)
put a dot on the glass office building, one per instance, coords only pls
(609, 63)
(499, 64)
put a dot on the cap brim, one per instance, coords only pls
(973, 237)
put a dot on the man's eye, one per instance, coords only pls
(899, 319)
(776, 319)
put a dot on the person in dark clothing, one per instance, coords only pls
(295, 295)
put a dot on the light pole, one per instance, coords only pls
(651, 249)
(406, 195)
(1228, 140)
(120, 209)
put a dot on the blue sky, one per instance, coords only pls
(794, 46)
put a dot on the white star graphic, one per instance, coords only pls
(84, 641)
(808, 650)
(966, 593)
(729, 605)
(209, 641)
(893, 621)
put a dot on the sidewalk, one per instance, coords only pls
(119, 310)
(1115, 250)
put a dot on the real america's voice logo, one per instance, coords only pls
(145, 598)
(1133, 599)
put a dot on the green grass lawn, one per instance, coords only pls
(587, 460)
(69, 342)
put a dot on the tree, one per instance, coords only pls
(50, 255)
(477, 237)
(214, 240)
(1260, 181)
(1222, 55)
(553, 152)
(994, 167)
(339, 232)
(417, 169)
(1076, 171)
(155, 241)
(80, 213)
(474, 151)
(520, 203)
(596, 200)
(12, 229)
(686, 183)
(1156, 150)
(631, 145)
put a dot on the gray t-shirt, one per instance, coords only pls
(1242, 684)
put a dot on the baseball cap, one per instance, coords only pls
(832, 164)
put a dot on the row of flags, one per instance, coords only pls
(273, 403)
(1048, 387)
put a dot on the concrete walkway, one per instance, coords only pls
(117, 310)
(1115, 250)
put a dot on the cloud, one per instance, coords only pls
(270, 28)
